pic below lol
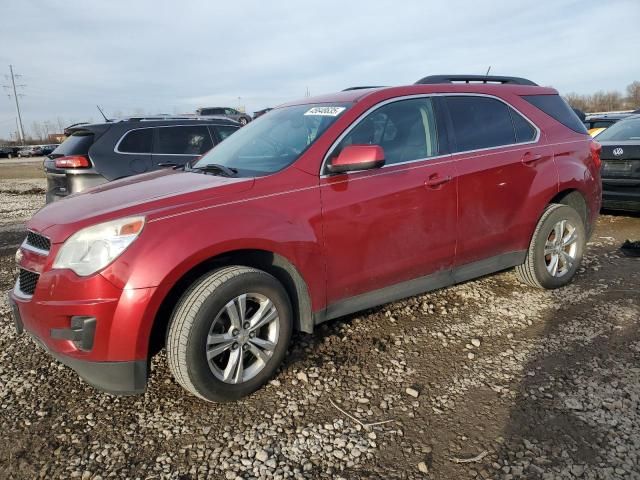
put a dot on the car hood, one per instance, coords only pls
(154, 194)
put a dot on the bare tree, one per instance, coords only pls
(633, 95)
(581, 102)
(38, 131)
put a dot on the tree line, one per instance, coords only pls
(607, 101)
(37, 133)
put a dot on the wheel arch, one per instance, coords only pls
(274, 264)
(573, 198)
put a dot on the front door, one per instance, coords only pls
(396, 223)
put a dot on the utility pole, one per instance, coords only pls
(15, 97)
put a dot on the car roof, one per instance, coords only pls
(153, 122)
(353, 95)
(607, 116)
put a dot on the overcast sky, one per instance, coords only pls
(174, 56)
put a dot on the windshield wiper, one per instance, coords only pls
(216, 168)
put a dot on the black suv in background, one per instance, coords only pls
(230, 113)
(97, 153)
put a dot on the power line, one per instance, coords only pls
(15, 97)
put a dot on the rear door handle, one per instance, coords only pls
(435, 180)
(529, 158)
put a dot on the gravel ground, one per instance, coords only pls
(488, 379)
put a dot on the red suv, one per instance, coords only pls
(324, 207)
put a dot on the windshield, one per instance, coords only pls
(621, 131)
(274, 141)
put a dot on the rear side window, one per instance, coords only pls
(188, 140)
(556, 107)
(77, 144)
(224, 131)
(480, 122)
(137, 141)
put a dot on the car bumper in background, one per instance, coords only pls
(621, 194)
(59, 185)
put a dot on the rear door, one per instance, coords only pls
(176, 145)
(396, 223)
(500, 159)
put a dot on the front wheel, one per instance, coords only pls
(229, 333)
(556, 249)
(243, 121)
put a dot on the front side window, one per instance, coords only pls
(480, 122)
(137, 141)
(406, 130)
(276, 141)
(189, 140)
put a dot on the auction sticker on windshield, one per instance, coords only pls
(325, 111)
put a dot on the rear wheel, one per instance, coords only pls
(243, 121)
(556, 249)
(229, 333)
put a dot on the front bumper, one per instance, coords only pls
(89, 325)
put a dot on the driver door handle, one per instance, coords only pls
(529, 158)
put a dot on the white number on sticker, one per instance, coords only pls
(325, 111)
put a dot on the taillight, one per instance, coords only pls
(595, 153)
(72, 161)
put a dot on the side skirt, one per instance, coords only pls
(419, 285)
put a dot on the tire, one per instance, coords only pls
(10, 155)
(205, 312)
(243, 121)
(545, 251)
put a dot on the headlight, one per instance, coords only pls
(93, 248)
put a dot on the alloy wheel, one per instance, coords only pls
(561, 248)
(242, 338)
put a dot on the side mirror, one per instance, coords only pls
(357, 157)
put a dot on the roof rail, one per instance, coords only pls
(362, 88)
(474, 78)
(176, 117)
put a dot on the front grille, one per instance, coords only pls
(27, 281)
(38, 241)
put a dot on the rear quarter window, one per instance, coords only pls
(557, 108)
(136, 141)
(77, 144)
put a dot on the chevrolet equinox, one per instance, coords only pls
(324, 207)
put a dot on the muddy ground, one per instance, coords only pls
(488, 379)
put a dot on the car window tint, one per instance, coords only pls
(624, 130)
(601, 124)
(224, 131)
(557, 108)
(480, 122)
(191, 140)
(524, 130)
(77, 144)
(137, 141)
(405, 129)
